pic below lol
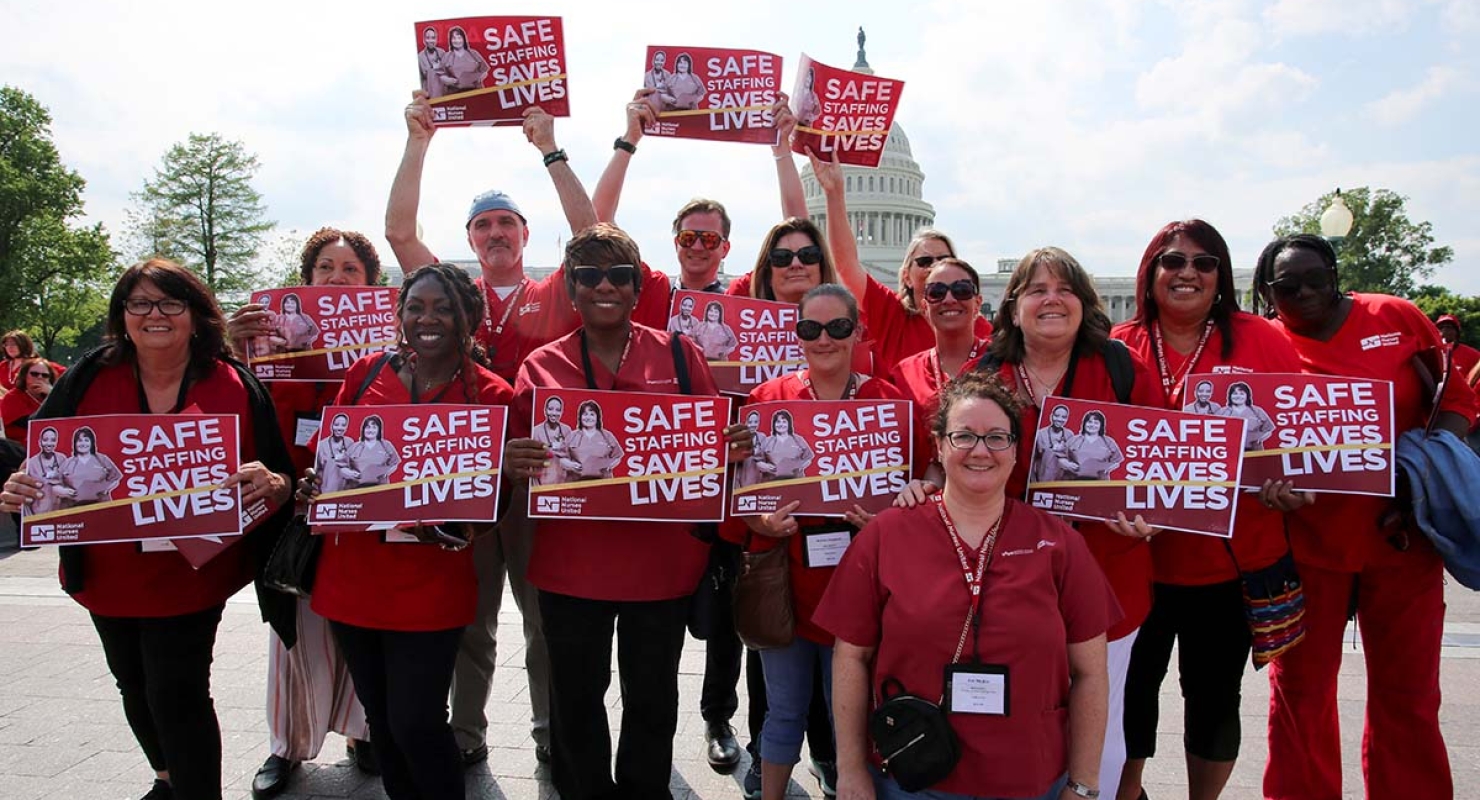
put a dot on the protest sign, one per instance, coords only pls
(843, 112)
(630, 456)
(829, 454)
(132, 477)
(396, 464)
(319, 331)
(490, 70)
(746, 341)
(709, 93)
(1176, 470)
(1324, 433)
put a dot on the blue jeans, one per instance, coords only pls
(886, 789)
(789, 672)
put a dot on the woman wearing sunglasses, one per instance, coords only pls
(827, 327)
(595, 576)
(37, 375)
(1188, 322)
(897, 320)
(398, 610)
(1349, 558)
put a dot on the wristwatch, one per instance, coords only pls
(1081, 790)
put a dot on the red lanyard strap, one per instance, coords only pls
(1169, 381)
(972, 576)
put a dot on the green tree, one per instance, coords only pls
(1437, 301)
(1385, 252)
(200, 209)
(51, 269)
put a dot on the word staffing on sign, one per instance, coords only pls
(746, 341)
(1176, 470)
(490, 70)
(708, 93)
(843, 113)
(319, 331)
(630, 456)
(132, 477)
(1324, 433)
(830, 455)
(405, 464)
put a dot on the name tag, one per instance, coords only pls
(157, 546)
(306, 431)
(825, 548)
(977, 689)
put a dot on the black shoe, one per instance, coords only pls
(366, 761)
(475, 755)
(826, 773)
(750, 785)
(542, 753)
(160, 791)
(722, 751)
(272, 779)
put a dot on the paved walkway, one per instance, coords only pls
(63, 736)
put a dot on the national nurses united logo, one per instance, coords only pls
(547, 505)
(1043, 500)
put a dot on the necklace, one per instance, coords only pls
(1027, 376)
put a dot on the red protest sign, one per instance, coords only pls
(201, 550)
(709, 93)
(1325, 433)
(1176, 470)
(630, 456)
(843, 112)
(318, 331)
(132, 477)
(746, 341)
(408, 463)
(489, 70)
(829, 454)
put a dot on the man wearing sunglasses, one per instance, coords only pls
(523, 314)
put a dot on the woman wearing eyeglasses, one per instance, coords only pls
(398, 610)
(166, 352)
(897, 321)
(1188, 322)
(1349, 558)
(37, 375)
(598, 576)
(827, 327)
(969, 589)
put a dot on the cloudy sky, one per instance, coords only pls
(1082, 124)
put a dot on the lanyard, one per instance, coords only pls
(848, 391)
(1067, 381)
(1169, 382)
(586, 361)
(940, 374)
(973, 577)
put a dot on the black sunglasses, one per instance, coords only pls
(962, 290)
(809, 255)
(924, 262)
(711, 239)
(619, 275)
(46, 375)
(1174, 262)
(809, 330)
(1318, 280)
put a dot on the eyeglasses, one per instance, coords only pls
(962, 290)
(809, 255)
(809, 330)
(141, 307)
(966, 440)
(711, 239)
(924, 262)
(1318, 281)
(618, 275)
(1174, 262)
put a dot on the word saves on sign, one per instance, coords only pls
(196, 448)
(674, 419)
(743, 93)
(427, 439)
(781, 346)
(1173, 494)
(1354, 400)
(358, 313)
(856, 105)
(530, 39)
(847, 433)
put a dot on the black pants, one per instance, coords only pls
(650, 636)
(1213, 640)
(820, 742)
(163, 669)
(719, 701)
(402, 679)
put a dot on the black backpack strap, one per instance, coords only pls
(680, 363)
(370, 378)
(1122, 369)
(989, 364)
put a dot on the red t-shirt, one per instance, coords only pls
(122, 581)
(10, 373)
(539, 312)
(1465, 359)
(1126, 561)
(918, 377)
(895, 334)
(1377, 340)
(1189, 559)
(610, 559)
(16, 408)
(808, 583)
(899, 589)
(295, 399)
(364, 580)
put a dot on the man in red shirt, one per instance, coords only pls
(1465, 357)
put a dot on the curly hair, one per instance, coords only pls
(358, 242)
(208, 341)
(468, 309)
(977, 385)
(760, 277)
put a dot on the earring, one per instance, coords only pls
(1218, 299)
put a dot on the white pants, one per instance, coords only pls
(309, 691)
(1112, 758)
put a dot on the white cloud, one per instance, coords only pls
(1402, 105)
(1311, 17)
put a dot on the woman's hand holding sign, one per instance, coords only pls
(259, 482)
(742, 442)
(778, 525)
(526, 458)
(1282, 496)
(19, 489)
(1135, 529)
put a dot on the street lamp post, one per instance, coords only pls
(1336, 220)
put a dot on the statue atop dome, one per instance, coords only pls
(862, 63)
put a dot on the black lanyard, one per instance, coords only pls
(587, 366)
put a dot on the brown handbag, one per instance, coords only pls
(765, 616)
